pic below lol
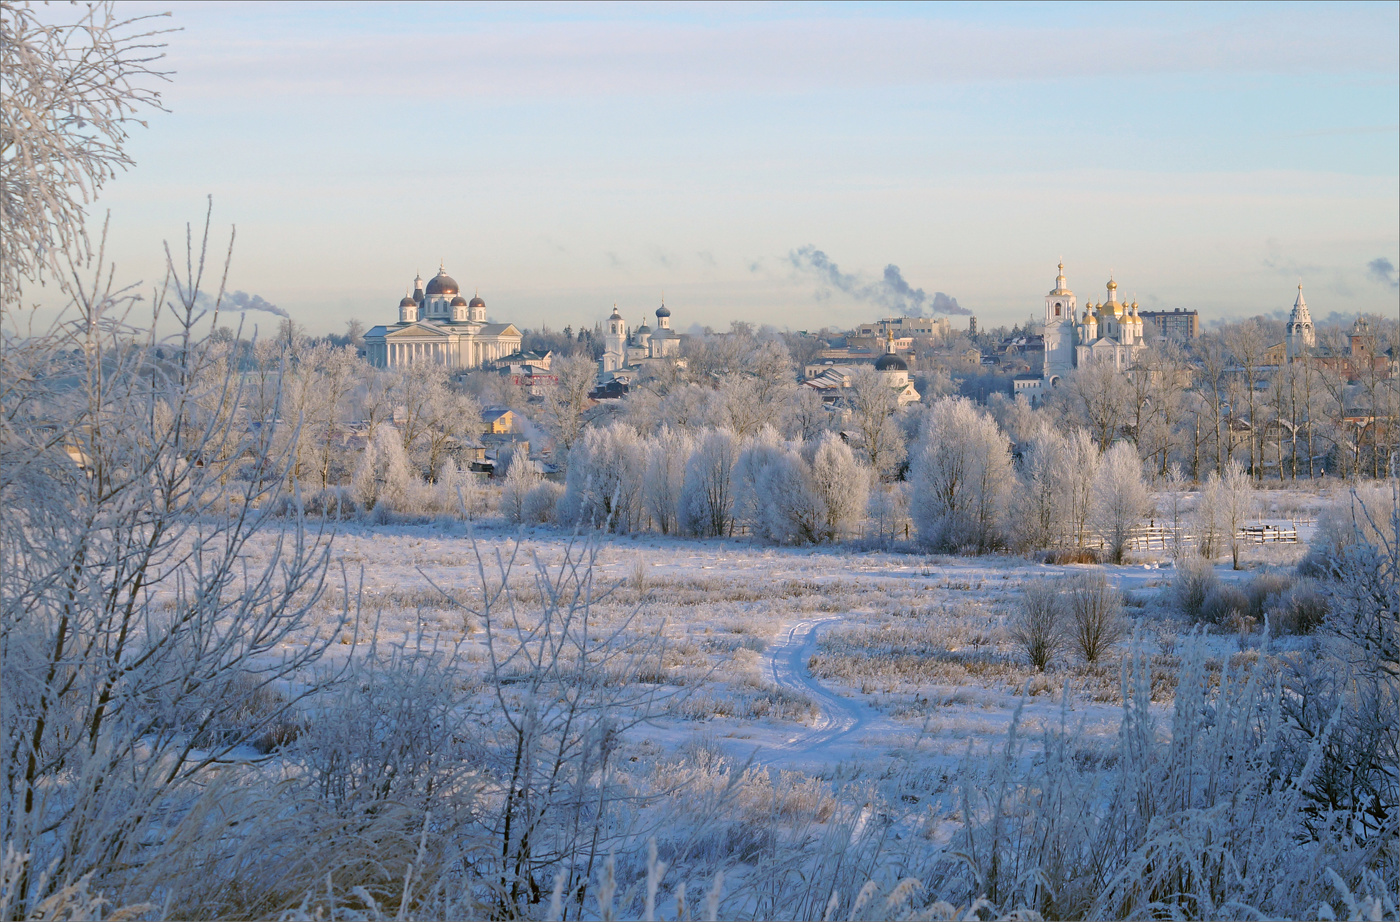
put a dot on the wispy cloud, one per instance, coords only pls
(536, 54)
(890, 291)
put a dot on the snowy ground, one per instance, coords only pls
(824, 660)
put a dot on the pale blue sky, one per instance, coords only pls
(563, 158)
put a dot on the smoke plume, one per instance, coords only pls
(1383, 270)
(242, 301)
(891, 291)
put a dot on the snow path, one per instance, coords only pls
(839, 719)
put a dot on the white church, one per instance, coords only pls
(625, 349)
(1110, 331)
(440, 327)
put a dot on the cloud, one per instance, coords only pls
(891, 291)
(297, 50)
(1383, 271)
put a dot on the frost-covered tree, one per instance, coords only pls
(1227, 502)
(1081, 459)
(962, 479)
(707, 497)
(786, 507)
(809, 417)
(74, 87)
(1043, 473)
(383, 476)
(757, 453)
(145, 635)
(1015, 417)
(842, 483)
(887, 510)
(603, 487)
(567, 403)
(1120, 498)
(874, 404)
(666, 455)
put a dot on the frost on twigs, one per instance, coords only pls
(72, 90)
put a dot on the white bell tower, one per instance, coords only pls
(1060, 305)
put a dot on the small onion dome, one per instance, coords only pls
(644, 328)
(442, 284)
(890, 362)
(662, 311)
(1112, 285)
(408, 302)
(477, 302)
(614, 315)
(459, 301)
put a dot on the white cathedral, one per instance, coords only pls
(439, 326)
(1107, 332)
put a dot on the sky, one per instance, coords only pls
(767, 163)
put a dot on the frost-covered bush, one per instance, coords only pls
(1038, 626)
(961, 479)
(1225, 604)
(395, 731)
(540, 504)
(1206, 818)
(1300, 610)
(1355, 518)
(336, 502)
(1192, 582)
(522, 477)
(1265, 590)
(1095, 615)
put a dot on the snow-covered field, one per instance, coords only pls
(830, 661)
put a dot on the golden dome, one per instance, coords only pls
(1112, 285)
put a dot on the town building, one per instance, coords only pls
(905, 328)
(831, 381)
(438, 326)
(1177, 325)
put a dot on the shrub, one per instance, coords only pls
(1225, 603)
(539, 505)
(1194, 580)
(1342, 524)
(1264, 591)
(1096, 615)
(336, 502)
(1038, 628)
(1300, 610)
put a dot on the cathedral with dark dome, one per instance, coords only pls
(437, 325)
